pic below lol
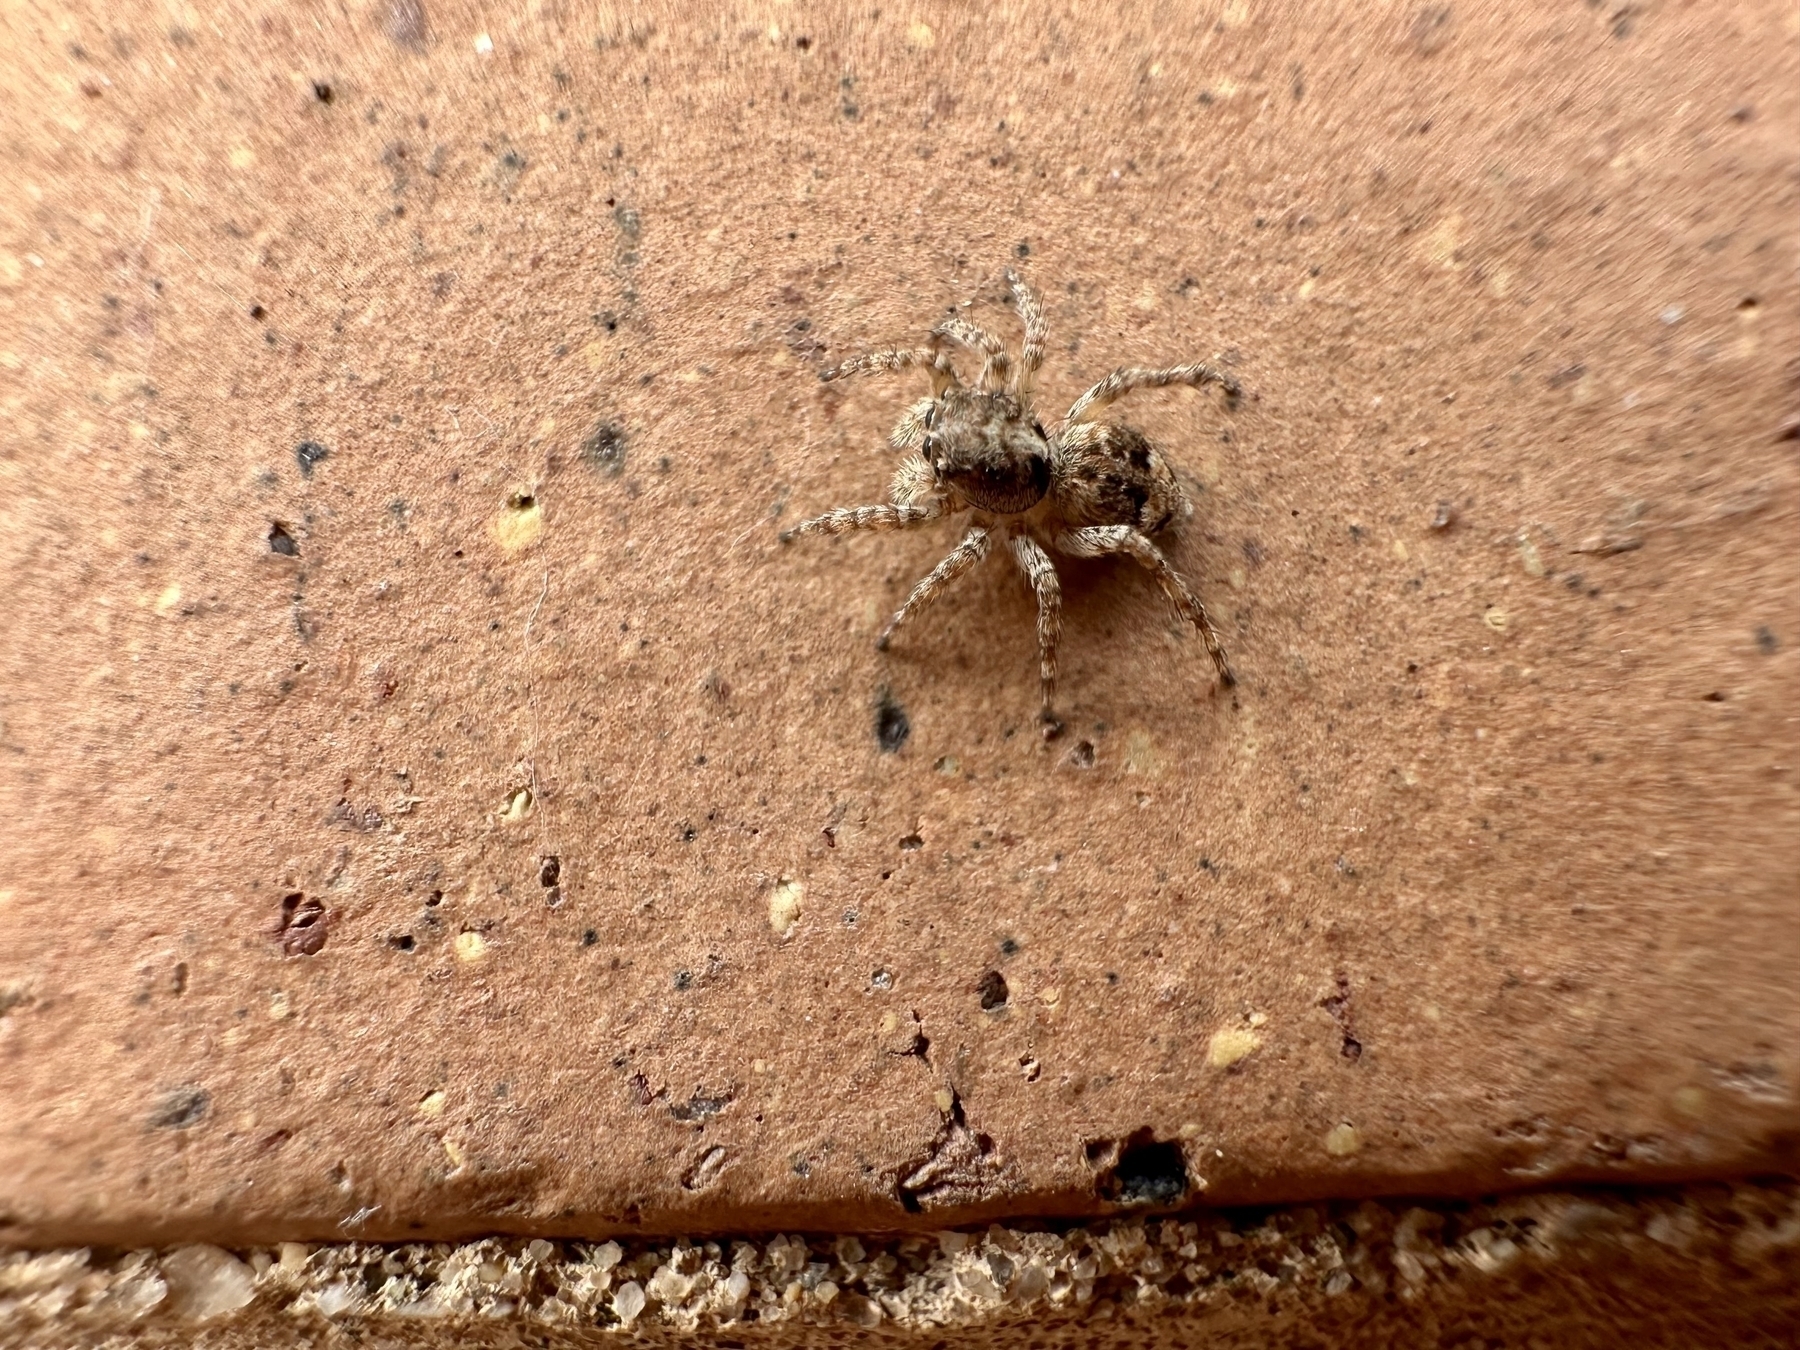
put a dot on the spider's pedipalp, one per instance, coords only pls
(1031, 314)
(914, 482)
(956, 563)
(1041, 572)
(1123, 380)
(934, 362)
(878, 518)
(1099, 541)
(909, 431)
(994, 361)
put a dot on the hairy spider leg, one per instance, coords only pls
(1041, 572)
(1031, 355)
(1127, 378)
(881, 519)
(934, 362)
(1099, 541)
(995, 362)
(960, 559)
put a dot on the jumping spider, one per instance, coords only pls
(1084, 488)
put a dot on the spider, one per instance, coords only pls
(1086, 489)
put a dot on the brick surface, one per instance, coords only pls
(436, 805)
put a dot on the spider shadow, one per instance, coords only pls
(984, 631)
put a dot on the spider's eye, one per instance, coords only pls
(931, 417)
(1038, 427)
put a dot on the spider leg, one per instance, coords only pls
(879, 518)
(994, 363)
(960, 559)
(1098, 541)
(932, 360)
(1036, 565)
(1031, 355)
(1127, 378)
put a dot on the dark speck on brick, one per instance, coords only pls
(308, 455)
(892, 725)
(603, 448)
(181, 1108)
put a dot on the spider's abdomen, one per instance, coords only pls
(1105, 474)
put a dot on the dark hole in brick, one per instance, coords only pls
(323, 92)
(700, 1106)
(803, 43)
(912, 843)
(1149, 1171)
(992, 989)
(258, 312)
(435, 899)
(302, 931)
(550, 870)
(308, 454)
(892, 725)
(589, 938)
(403, 943)
(280, 541)
(178, 981)
(1715, 697)
(1081, 756)
(1343, 1012)
(181, 1108)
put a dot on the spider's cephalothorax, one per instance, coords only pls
(981, 450)
(1084, 488)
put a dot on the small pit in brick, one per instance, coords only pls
(280, 541)
(1144, 1171)
(181, 1108)
(603, 448)
(549, 877)
(892, 725)
(307, 455)
(992, 989)
(302, 928)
